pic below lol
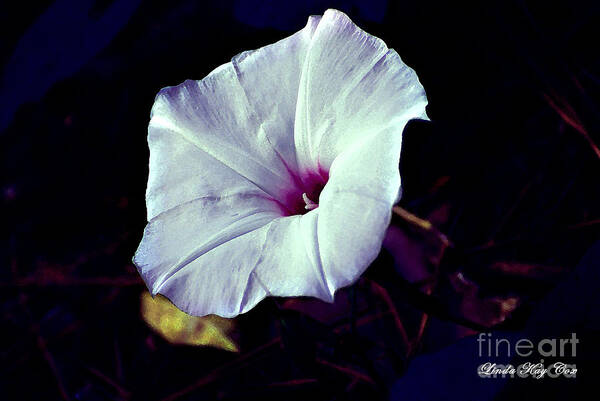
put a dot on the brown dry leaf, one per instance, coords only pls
(178, 327)
(487, 311)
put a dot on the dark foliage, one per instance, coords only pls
(508, 170)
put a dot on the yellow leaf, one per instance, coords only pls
(178, 327)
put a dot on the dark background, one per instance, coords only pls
(507, 169)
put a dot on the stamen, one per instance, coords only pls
(310, 205)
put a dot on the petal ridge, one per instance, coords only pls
(234, 230)
(157, 122)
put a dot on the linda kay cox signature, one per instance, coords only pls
(527, 369)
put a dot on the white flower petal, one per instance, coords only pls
(291, 262)
(200, 254)
(220, 282)
(180, 172)
(214, 115)
(355, 205)
(352, 85)
(270, 77)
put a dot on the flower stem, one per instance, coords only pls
(421, 224)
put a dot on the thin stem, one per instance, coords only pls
(421, 224)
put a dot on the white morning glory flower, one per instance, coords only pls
(276, 174)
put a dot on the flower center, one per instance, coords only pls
(309, 204)
(304, 197)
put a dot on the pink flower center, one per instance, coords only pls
(304, 196)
